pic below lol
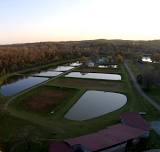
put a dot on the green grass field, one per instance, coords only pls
(154, 92)
(44, 100)
(89, 84)
(56, 126)
(98, 70)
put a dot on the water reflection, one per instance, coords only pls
(94, 104)
(94, 76)
(48, 74)
(17, 84)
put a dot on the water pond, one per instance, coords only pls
(17, 84)
(93, 104)
(48, 74)
(102, 76)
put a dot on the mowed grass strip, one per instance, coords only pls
(89, 84)
(97, 70)
(44, 99)
(154, 92)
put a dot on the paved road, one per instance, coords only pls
(136, 85)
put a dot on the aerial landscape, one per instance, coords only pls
(80, 76)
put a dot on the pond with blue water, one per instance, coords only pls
(16, 84)
(101, 76)
(93, 104)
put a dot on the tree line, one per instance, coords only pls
(21, 56)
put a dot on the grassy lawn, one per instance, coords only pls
(56, 126)
(12, 129)
(138, 103)
(98, 70)
(134, 65)
(155, 93)
(89, 84)
(44, 99)
(66, 128)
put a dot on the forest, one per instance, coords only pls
(21, 56)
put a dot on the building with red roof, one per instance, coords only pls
(135, 120)
(60, 147)
(107, 138)
(113, 138)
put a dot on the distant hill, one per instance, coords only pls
(20, 56)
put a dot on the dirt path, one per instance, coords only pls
(138, 88)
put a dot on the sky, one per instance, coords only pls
(64, 20)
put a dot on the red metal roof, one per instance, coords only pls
(108, 137)
(60, 147)
(133, 119)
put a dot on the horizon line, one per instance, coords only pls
(59, 41)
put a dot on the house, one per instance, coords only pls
(112, 139)
(102, 61)
(107, 139)
(135, 120)
(90, 64)
(76, 64)
(60, 147)
(147, 58)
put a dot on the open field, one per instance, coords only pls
(89, 84)
(154, 91)
(57, 127)
(124, 87)
(43, 100)
(98, 70)
(12, 129)
(134, 65)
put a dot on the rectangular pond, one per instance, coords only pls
(48, 74)
(93, 104)
(102, 76)
(20, 83)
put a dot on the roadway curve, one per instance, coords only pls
(139, 89)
